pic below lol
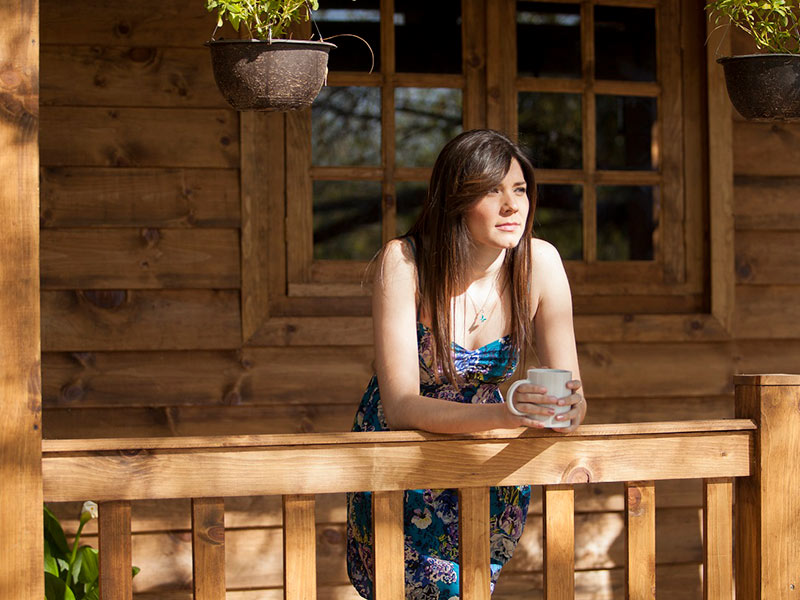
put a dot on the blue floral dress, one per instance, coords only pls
(431, 516)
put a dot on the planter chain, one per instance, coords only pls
(311, 16)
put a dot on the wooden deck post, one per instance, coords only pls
(767, 504)
(21, 548)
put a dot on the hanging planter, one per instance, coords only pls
(259, 75)
(267, 72)
(763, 86)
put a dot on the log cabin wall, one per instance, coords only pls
(142, 247)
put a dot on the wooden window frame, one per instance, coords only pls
(273, 316)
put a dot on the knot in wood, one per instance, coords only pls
(216, 534)
(576, 473)
(152, 236)
(71, 392)
(132, 452)
(635, 501)
(105, 298)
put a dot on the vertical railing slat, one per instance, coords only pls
(640, 546)
(114, 536)
(208, 548)
(299, 548)
(473, 512)
(389, 548)
(559, 542)
(718, 539)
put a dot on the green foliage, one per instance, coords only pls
(264, 19)
(70, 573)
(774, 24)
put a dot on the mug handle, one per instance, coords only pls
(510, 396)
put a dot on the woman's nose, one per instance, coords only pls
(510, 204)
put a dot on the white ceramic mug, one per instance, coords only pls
(555, 381)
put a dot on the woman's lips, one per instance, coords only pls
(507, 226)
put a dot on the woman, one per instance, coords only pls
(454, 301)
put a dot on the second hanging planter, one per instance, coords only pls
(764, 86)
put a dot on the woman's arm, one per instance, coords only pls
(394, 315)
(553, 325)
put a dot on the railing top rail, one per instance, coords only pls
(766, 379)
(388, 437)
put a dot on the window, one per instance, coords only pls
(596, 90)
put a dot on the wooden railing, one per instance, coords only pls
(754, 453)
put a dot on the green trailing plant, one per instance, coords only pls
(263, 19)
(70, 573)
(773, 24)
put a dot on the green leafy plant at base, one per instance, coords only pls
(70, 573)
(773, 24)
(264, 19)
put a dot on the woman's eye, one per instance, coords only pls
(521, 190)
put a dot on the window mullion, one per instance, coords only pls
(589, 126)
(388, 137)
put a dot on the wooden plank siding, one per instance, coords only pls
(157, 318)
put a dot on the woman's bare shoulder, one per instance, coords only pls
(544, 255)
(396, 260)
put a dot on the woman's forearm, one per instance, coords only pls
(443, 416)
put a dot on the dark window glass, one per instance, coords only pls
(347, 219)
(548, 39)
(550, 128)
(425, 119)
(427, 36)
(410, 198)
(625, 43)
(627, 219)
(362, 19)
(346, 126)
(559, 218)
(626, 133)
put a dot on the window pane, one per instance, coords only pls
(410, 198)
(550, 126)
(427, 36)
(559, 218)
(625, 43)
(425, 119)
(627, 219)
(362, 19)
(346, 126)
(626, 133)
(548, 40)
(347, 219)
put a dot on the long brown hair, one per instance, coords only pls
(468, 167)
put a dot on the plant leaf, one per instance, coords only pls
(56, 589)
(54, 534)
(50, 564)
(90, 570)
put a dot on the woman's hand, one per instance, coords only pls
(534, 401)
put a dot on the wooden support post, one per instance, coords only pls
(718, 539)
(640, 541)
(208, 548)
(388, 546)
(299, 548)
(114, 533)
(473, 515)
(21, 547)
(559, 542)
(767, 509)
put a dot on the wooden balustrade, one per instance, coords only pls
(115, 472)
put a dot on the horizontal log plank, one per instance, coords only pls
(140, 76)
(767, 312)
(77, 321)
(770, 203)
(766, 148)
(136, 197)
(142, 23)
(138, 137)
(147, 258)
(251, 376)
(255, 512)
(764, 257)
(338, 467)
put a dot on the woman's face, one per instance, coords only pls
(498, 219)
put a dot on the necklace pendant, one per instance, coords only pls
(482, 317)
